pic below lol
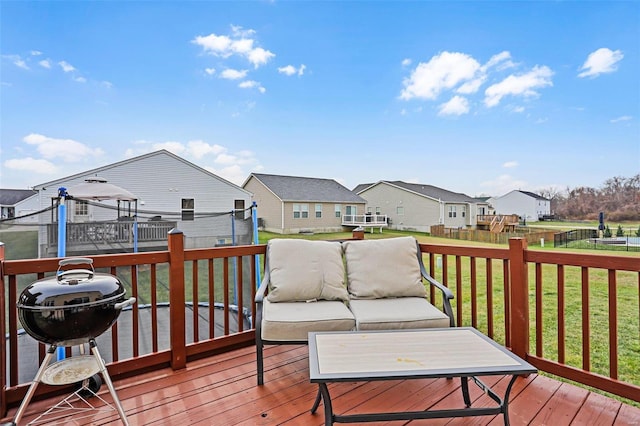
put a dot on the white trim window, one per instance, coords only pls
(400, 211)
(318, 211)
(81, 208)
(188, 209)
(338, 210)
(300, 211)
(452, 211)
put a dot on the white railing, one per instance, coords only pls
(366, 220)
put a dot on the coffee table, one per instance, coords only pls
(353, 356)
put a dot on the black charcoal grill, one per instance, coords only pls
(72, 308)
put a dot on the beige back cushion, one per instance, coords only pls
(383, 268)
(302, 270)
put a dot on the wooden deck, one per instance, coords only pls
(222, 390)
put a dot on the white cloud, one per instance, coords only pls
(500, 61)
(457, 105)
(238, 43)
(231, 74)
(601, 61)
(443, 71)
(80, 79)
(36, 53)
(519, 85)
(31, 165)
(65, 149)
(619, 119)
(210, 71)
(291, 70)
(406, 62)
(66, 67)
(288, 70)
(17, 61)
(518, 109)
(510, 164)
(199, 149)
(45, 63)
(251, 84)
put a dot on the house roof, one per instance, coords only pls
(426, 190)
(536, 196)
(295, 188)
(10, 197)
(134, 159)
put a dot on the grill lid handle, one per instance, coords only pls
(124, 304)
(75, 261)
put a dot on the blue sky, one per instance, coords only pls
(474, 97)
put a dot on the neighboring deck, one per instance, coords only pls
(222, 390)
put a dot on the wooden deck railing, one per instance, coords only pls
(504, 292)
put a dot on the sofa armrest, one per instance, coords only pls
(262, 290)
(447, 294)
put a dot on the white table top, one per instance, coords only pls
(461, 351)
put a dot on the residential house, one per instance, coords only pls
(15, 203)
(417, 207)
(529, 206)
(291, 204)
(170, 192)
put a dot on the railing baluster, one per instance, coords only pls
(586, 328)
(226, 295)
(474, 292)
(240, 294)
(613, 325)
(539, 320)
(561, 316)
(154, 307)
(195, 300)
(212, 300)
(459, 298)
(489, 271)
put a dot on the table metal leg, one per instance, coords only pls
(323, 394)
(505, 403)
(465, 391)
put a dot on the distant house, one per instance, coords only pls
(290, 204)
(169, 192)
(18, 202)
(416, 207)
(529, 206)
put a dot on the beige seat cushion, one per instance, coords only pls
(397, 313)
(302, 270)
(292, 321)
(383, 268)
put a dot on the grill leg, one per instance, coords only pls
(32, 389)
(107, 379)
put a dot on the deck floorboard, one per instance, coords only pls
(222, 390)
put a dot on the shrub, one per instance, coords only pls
(607, 232)
(619, 231)
(638, 232)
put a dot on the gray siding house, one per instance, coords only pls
(167, 188)
(416, 207)
(290, 204)
(18, 202)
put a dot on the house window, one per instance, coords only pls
(300, 211)
(338, 209)
(238, 206)
(369, 210)
(188, 207)
(377, 210)
(318, 211)
(82, 208)
(464, 211)
(452, 211)
(400, 211)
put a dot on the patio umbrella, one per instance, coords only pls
(98, 189)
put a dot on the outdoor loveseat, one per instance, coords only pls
(332, 286)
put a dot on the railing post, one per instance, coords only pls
(177, 300)
(3, 327)
(519, 278)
